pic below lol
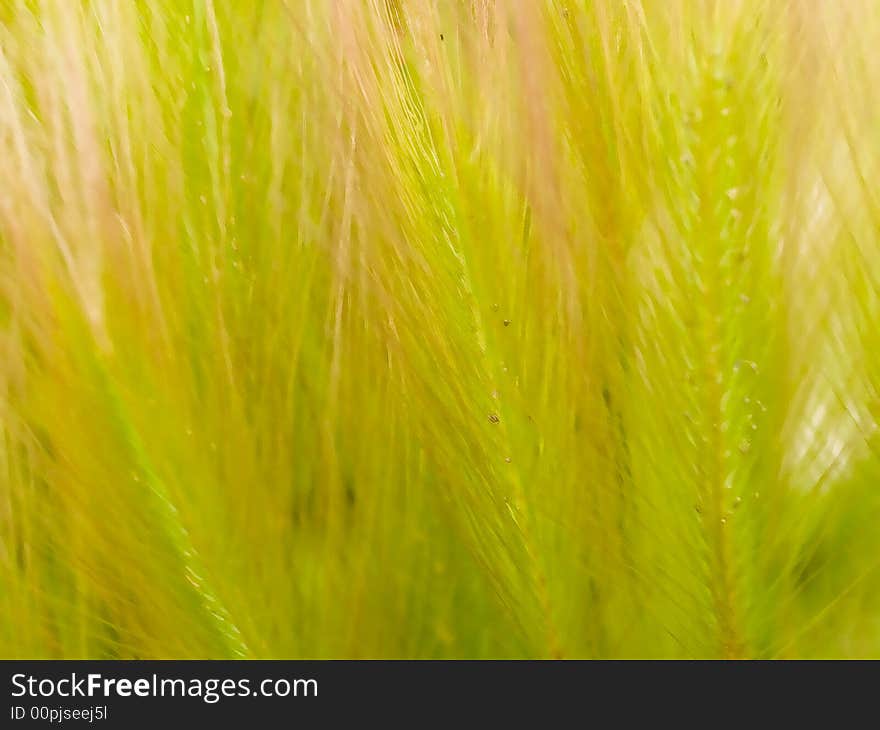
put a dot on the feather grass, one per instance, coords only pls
(411, 328)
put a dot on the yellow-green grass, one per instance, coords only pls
(439, 328)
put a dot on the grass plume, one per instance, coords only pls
(427, 328)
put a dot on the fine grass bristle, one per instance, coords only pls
(415, 328)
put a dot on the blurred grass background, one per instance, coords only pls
(439, 328)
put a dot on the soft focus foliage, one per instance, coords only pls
(439, 328)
